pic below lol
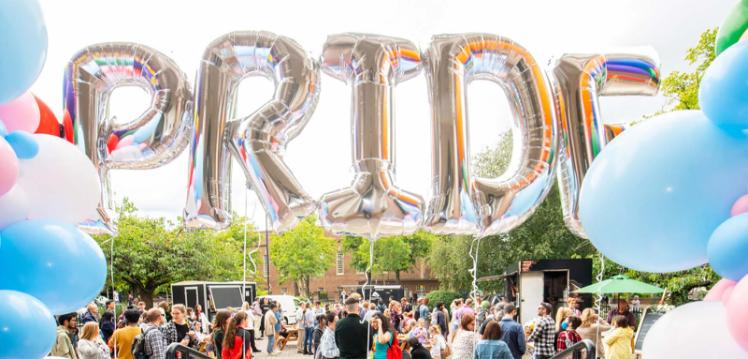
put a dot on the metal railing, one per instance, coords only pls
(179, 351)
(582, 350)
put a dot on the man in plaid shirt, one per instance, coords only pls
(544, 334)
(155, 343)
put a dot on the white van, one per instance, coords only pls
(289, 305)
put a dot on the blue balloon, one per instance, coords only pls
(24, 144)
(652, 198)
(53, 261)
(27, 328)
(728, 248)
(23, 36)
(723, 93)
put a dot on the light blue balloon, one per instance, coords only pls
(53, 261)
(655, 194)
(27, 328)
(24, 144)
(723, 93)
(728, 248)
(23, 38)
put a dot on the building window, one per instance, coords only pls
(339, 263)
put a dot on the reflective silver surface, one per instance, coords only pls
(582, 78)
(373, 205)
(257, 141)
(152, 139)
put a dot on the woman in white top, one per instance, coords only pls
(439, 348)
(465, 339)
(246, 308)
(90, 345)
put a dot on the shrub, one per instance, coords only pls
(441, 296)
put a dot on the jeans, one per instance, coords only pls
(538, 356)
(308, 336)
(271, 343)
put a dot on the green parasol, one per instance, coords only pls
(620, 284)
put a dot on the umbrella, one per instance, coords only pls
(620, 284)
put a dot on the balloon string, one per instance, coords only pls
(474, 272)
(369, 274)
(599, 299)
(111, 278)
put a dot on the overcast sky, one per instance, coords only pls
(321, 156)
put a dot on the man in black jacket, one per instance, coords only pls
(351, 332)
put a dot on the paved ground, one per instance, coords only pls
(289, 352)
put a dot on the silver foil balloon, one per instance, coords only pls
(152, 139)
(582, 78)
(463, 204)
(257, 141)
(373, 205)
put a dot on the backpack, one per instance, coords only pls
(138, 345)
(394, 351)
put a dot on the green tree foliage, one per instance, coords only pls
(152, 253)
(682, 88)
(302, 253)
(391, 254)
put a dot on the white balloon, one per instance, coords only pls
(693, 330)
(60, 182)
(14, 206)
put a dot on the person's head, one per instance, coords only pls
(458, 302)
(68, 321)
(154, 316)
(351, 305)
(109, 305)
(403, 300)
(467, 322)
(178, 313)
(620, 321)
(164, 305)
(90, 331)
(221, 321)
(413, 343)
(623, 306)
(132, 316)
(510, 310)
(561, 315)
(588, 317)
(544, 309)
(274, 306)
(380, 320)
(331, 319)
(435, 330)
(492, 331)
(469, 302)
(303, 305)
(190, 312)
(239, 320)
(317, 304)
(321, 320)
(198, 308)
(387, 313)
(574, 322)
(92, 308)
(197, 326)
(245, 306)
(107, 317)
(141, 306)
(440, 305)
(422, 323)
(408, 325)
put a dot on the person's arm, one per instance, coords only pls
(521, 342)
(612, 337)
(536, 332)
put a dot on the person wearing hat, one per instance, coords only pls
(351, 332)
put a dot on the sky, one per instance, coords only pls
(321, 155)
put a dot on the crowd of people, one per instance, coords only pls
(354, 328)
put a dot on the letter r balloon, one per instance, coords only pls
(256, 141)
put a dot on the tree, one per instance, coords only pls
(391, 254)
(302, 253)
(682, 88)
(150, 254)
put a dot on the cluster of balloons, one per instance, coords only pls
(47, 186)
(670, 194)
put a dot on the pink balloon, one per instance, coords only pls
(721, 291)
(21, 114)
(8, 167)
(737, 313)
(740, 206)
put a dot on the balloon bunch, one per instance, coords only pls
(670, 194)
(47, 265)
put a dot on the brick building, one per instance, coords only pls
(342, 276)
